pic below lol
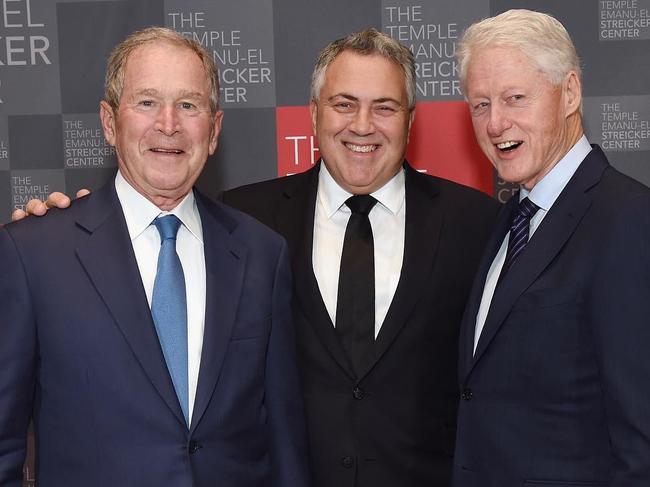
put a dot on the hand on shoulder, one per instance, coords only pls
(39, 208)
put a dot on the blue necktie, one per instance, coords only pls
(169, 308)
(519, 231)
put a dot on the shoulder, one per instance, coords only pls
(615, 194)
(59, 224)
(606, 183)
(265, 191)
(623, 206)
(267, 201)
(238, 223)
(622, 187)
(455, 197)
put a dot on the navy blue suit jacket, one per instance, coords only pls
(558, 391)
(79, 353)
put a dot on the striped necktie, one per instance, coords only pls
(519, 231)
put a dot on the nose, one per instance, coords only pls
(362, 122)
(498, 121)
(168, 121)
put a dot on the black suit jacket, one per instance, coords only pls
(395, 424)
(558, 390)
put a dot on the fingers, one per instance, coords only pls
(39, 208)
(35, 207)
(56, 200)
(18, 215)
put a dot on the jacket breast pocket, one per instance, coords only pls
(548, 298)
(246, 329)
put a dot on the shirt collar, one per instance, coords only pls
(139, 212)
(332, 196)
(546, 191)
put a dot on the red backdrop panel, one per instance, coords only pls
(297, 146)
(442, 143)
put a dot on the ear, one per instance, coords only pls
(108, 119)
(573, 93)
(216, 130)
(313, 110)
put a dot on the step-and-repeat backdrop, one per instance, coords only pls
(53, 54)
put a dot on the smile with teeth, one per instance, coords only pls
(361, 148)
(509, 145)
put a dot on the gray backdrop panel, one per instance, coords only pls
(52, 72)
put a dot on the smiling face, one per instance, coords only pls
(362, 121)
(523, 123)
(163, 130)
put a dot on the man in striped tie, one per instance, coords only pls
(554, 365)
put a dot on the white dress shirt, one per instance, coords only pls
(543, 194)
(140, 213)
(387, 219)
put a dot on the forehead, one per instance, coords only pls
(364, 75)
(501, 65)
(162, 62)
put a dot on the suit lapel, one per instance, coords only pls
(107, 256)
(466, 340)
(424, 225)
(554, 231)
(225, 263)
(296, 222)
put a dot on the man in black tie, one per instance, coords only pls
(554, 364)
(382, 257)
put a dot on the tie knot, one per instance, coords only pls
(361, 203)
(167, 226)
(527, 208)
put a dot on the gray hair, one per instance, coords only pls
(366, 43)
(539, 36)
(116, 64)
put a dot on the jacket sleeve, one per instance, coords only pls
(17, 361)
(286, 421)
(620, 314)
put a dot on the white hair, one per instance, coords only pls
(540, 37)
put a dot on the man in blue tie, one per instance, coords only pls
(167, 358)
(554, 366)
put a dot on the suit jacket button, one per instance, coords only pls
(347, 462)
(358, 393)
(467, 394)
(193, 447)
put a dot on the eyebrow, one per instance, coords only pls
(183, 94)
(354, 98)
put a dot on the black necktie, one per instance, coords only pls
(355, 305)
(518, 233)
